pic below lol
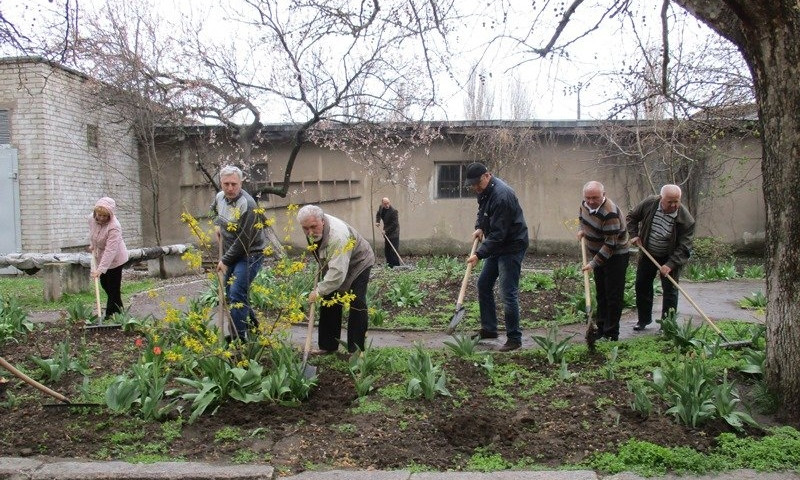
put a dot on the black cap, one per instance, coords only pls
(474, 172)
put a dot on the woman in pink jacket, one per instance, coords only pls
(108, 251)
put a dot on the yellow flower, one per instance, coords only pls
(232, 227)
(313, 247)
(173, 357)
(269, 251)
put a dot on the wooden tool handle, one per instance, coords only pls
(672, 280)
(464, 282)
(96, 288)
(587, 290)
(31, 381)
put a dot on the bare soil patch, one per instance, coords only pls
(564, 424)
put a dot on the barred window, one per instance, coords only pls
(450, 180)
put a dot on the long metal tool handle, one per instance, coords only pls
(32, 382)
(464, 282)
(96, 288)
(587, 289)
(696, 307)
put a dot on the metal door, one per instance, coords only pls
(10, 237)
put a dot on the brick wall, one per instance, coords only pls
(60, 174)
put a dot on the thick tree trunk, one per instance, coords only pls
(767, 33)
(776, 72)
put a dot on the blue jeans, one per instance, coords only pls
(238, 291)
(507, 267)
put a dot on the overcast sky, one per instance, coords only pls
(551, 84)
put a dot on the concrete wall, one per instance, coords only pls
(60, 174)
(549, 188)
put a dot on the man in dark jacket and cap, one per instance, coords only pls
(501, 227)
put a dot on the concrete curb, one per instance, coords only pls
(32, 469)
(12, 468)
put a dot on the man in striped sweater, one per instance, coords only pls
(666, 229)
(603, 226)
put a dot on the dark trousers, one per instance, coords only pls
(391, 257)
(645, 274)
(111, 281)
(609, 281)
(330, 318)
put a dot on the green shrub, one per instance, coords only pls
(711, 250)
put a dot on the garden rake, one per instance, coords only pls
(591, 327)
(100, 325)
(403, 265)
(726, 343)
(459, 315)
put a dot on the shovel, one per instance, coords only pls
(459, 315)
(728, 343)
(223, 314)
(309, 371)
(591, 327)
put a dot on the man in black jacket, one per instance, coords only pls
(501, 225)
(391, 231)
(662, 225)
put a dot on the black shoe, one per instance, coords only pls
(482, 334)
(640, 326)
(510, 345)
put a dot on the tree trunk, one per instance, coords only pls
(776, 72)
(767, 33)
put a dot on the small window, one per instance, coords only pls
(5, 128)
(450, 181)
(92, 136)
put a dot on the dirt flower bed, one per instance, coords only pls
(516, 406)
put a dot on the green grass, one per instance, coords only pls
(29, 292)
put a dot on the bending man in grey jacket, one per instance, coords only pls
(666, 229)
(345, 259)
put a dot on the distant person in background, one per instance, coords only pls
(108, 252)
(391, 231)
(602, 225)
(662, 225)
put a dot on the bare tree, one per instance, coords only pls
(324, 67)
(673, 136)
(479, 100)
(124, 48)
(46, 29)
